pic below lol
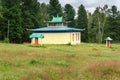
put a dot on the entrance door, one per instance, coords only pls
(108, 43)
(36, 41)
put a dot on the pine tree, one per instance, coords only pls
(82, 22)
(44, 15)
(113, 24)
(0, 9)
(0, 12)
(30, 16)
(55, 8)
(0, 18)
(69, 14)
(12, 13)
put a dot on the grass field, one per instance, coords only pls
(59, 62)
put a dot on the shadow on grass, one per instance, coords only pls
(38, 46)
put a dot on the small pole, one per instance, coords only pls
(8, 30)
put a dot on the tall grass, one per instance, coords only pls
(59, 62)
(107, 70)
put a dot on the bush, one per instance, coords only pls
(33, 61)
(6, 40)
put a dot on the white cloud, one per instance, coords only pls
(45, 1)
(89, 4)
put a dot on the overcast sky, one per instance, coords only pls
(89, 4)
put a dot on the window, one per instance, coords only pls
(76, 37)
(73, 37)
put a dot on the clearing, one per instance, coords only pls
(86, 61)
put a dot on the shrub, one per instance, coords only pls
(6, 40)
(33, 61)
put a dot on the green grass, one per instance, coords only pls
(86, 61)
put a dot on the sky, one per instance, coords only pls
(90, 5)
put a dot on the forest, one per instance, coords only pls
(18, 16)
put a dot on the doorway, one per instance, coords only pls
(36, 41)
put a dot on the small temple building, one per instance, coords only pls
(56, 32)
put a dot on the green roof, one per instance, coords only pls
(108, 38)
(36, 35)
(57, 19)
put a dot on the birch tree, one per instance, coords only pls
(101, 19)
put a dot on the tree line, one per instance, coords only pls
(21, 15)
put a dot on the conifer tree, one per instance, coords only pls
(69, 14)
(0, 18)
(12, 14)
(55, 8)
(113, 24)
(30, 16)
(82, 22)
(0, 9)
(44, 15)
